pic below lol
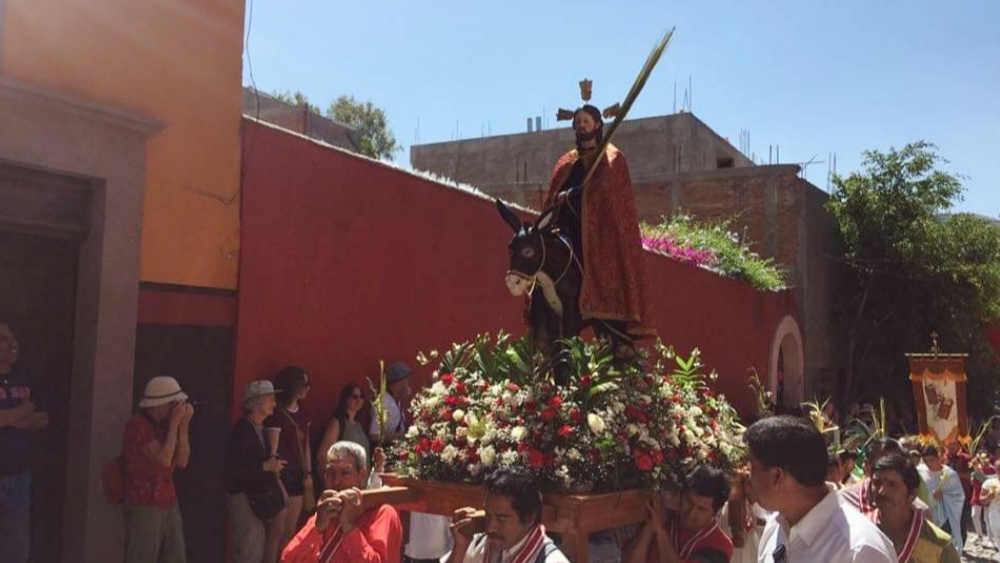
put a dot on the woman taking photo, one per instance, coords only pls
(155, 442)
(292, 386)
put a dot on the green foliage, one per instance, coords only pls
(377, 141)
(296, 98)
(914, 270)
(718, 247)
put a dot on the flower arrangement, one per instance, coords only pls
(714, 246)
(493, 403)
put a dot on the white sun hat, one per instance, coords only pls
(161, 390)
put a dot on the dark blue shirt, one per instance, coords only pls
(15, 443)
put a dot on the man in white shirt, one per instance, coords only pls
(513, 524)
(397, 383)
(787, 472)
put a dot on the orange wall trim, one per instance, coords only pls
(166, 304)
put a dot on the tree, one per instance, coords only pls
(914, 269)
(376, 140)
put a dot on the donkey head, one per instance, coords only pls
(526, 249)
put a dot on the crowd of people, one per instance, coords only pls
(296, 496)
(795, 501)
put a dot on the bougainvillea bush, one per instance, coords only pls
(492, 403)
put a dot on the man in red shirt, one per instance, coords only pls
(342, 531)
(690, 531)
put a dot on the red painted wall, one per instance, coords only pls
(993, 335)
(345, 261)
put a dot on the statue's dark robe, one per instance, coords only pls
(614, 281)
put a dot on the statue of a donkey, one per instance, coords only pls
(544, 267)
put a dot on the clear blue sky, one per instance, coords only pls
(811, 77)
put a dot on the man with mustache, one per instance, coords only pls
(600, 220)
(916, 539)
(513, 524)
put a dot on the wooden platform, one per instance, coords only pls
(572, 516)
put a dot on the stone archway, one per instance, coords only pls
(786, 371)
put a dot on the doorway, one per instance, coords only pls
(38, 300)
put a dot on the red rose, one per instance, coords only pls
(529, 406)
(555, 401)
(575, 415)
(446, 378)
(437, 445)
(643, 461)
(460, 387)
(565, 429)
(585, 380)
(549, 414)
(444, 414)
(450, 400)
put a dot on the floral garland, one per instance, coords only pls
(610, 428)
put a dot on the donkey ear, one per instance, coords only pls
(547, 219)
(509, 216)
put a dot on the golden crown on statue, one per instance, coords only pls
(586, 90)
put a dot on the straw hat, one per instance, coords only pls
(162, 390)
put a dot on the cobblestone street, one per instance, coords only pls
(975, 553)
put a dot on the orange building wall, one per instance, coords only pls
(177, 61)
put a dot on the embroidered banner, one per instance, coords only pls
(939, 392)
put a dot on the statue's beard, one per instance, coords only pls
(582, 137)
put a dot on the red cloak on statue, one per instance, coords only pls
(614, 278)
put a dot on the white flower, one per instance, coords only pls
(509, 398)
(694, 411)
(574, 454)
(518, 433)
(471, 419)
(461, 432)
(595, 422)
(412, 432)
(449, 453)
(487, 455)
(432, 402)
(509, 457)
(458, 415)
(633, 429)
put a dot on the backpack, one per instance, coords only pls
(113, 481)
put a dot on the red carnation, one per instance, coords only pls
(585, 380)
(437, 445)
(549, 414)
(422, 445)
(535, 458)
(575, 415)
(450, 400)
(529, 406)
(444, 414)
(555, 401)
(565, 429)
(460, 387)
(446, 378)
